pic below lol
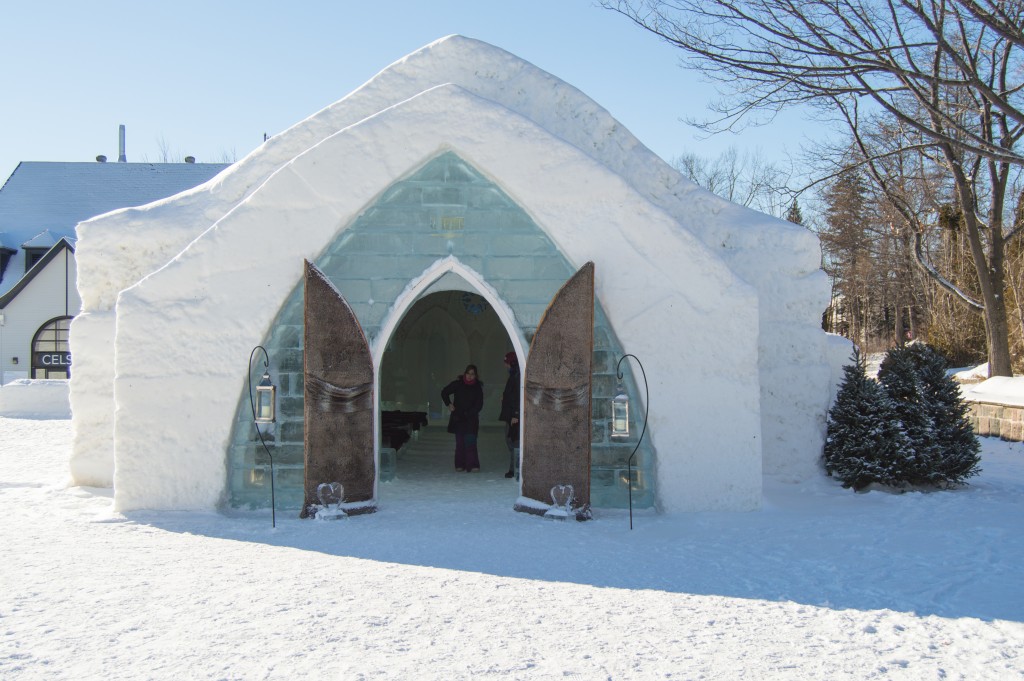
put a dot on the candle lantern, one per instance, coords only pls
(266, 400)
(620, 413)
(264, 411)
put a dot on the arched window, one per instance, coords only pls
(51, 354)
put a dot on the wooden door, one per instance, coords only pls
(556, 395)
(339, 402)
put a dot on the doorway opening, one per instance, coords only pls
(445, 328)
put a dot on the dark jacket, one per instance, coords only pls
(510, 398)
(510, 405)
(469, 400)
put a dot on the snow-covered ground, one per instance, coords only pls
(447, 582)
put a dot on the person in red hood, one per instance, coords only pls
(464, 398)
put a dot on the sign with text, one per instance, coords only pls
(52, 360)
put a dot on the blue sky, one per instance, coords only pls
(208, 79)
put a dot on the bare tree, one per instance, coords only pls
(746, 178)
(164, 152)
(945, 76)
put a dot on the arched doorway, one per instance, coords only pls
(438, 336)
(343, 422)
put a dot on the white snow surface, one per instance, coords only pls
(446, 582)
(971, 374)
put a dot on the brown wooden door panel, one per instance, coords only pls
(338, 390)
(557, 394)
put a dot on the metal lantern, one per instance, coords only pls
(264, 410)
(266, 400)
(620, 413)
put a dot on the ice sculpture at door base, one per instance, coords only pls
(330, 495)
(561, 503)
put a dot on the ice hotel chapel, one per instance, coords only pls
(461, 204)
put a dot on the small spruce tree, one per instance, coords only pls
(956, 455)
(866, 441)
(902, 382)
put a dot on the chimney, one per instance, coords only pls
(121, 158)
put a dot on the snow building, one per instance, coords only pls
(460, 204)
(40, 204)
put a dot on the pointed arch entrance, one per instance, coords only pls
(447, 317)
(342, 385)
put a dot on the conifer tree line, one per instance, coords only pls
(921, 185)
(895, 279)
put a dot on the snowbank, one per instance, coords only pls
(1003, 390)
(971, 374)
(41, 398)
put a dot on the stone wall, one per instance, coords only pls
(997, 420)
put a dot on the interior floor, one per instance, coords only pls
(426, 468)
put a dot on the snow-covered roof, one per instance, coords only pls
(57, 196)
(18, 285)
(42, 202)
(44, 239)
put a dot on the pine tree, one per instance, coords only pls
(866, 442)
(929, 405)
(956, 454)
(846, 245)
(794, 214)
(902, 383)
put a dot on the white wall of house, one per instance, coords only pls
(51, 293)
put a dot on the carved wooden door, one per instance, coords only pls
(338, 390)
(556, 394)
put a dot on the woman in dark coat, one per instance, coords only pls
(510, 411)
(464, 398)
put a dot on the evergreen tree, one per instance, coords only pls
(899, 376)
(846, 246)
(928, 403)
(866, 442)
(794, 213)
(956, 454)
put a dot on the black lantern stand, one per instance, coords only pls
(625, 408)
(266, 413)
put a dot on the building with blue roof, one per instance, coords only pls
(40, 205)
